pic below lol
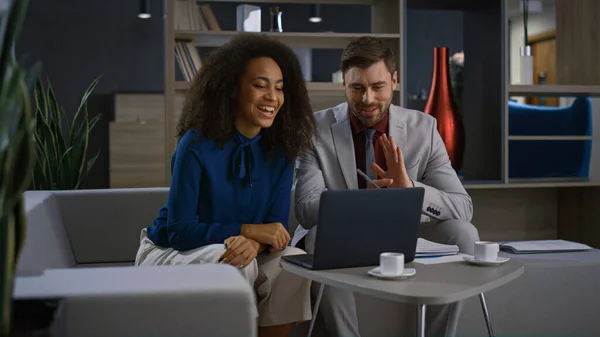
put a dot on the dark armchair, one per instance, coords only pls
(550, 158)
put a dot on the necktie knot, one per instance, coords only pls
(369, 153)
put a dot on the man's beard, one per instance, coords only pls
(369, 121)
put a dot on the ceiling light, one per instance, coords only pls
(144, 9)
(315, 14)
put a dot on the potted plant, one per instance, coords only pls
(16, 151)
(62, 144)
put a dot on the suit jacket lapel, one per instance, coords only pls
(397, 127)
(344, 145)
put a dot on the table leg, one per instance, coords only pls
(316, 310)
(486, 315)
(421, 308)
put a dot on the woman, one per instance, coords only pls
(246, 118)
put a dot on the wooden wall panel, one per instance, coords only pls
(137, 155)
(578, 215)
(578, 62)
(515, 214)
(139, 108)
(578, 42)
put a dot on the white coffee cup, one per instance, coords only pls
(486, 251)
(391, 264)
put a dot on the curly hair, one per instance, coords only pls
(210, 104)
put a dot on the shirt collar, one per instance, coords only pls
(244, 163)
(357, 126)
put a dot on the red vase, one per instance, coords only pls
(442, 106)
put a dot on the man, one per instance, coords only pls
(397, 148)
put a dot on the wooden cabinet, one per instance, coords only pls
(137, 153)
(137, 140)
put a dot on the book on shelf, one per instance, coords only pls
(190, 16)
(426, 248)
(543, 246)
(188, 59)
(209, 17)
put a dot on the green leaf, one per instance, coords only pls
(64, 142)
(10, 28)
(16, 153)
(7, 242)
(78, 118)
(65, 168)
(89, 165)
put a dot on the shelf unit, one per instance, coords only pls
(313, 87)
(564, 89)
(549, 208)
(505, 209)
(554, 90)
(323, 94)
(298, 40)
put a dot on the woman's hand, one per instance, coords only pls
(240, 251)
(272, 234)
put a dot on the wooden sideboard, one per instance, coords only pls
(137, 140)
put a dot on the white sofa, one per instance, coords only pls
(79, 253)
(557, 296)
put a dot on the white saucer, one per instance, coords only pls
(498, 261)
(408, 272)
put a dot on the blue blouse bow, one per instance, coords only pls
(244, 160)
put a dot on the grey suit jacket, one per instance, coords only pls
(331, 165)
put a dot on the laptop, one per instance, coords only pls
(356, 226)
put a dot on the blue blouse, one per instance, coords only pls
(215, 190)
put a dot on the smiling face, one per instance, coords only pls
(370, 91)
(260, 96)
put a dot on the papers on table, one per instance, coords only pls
(543, 246)
(442, 259)
(426, 248)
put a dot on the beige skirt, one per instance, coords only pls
(282, 297)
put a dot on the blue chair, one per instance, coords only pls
(550, 158)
